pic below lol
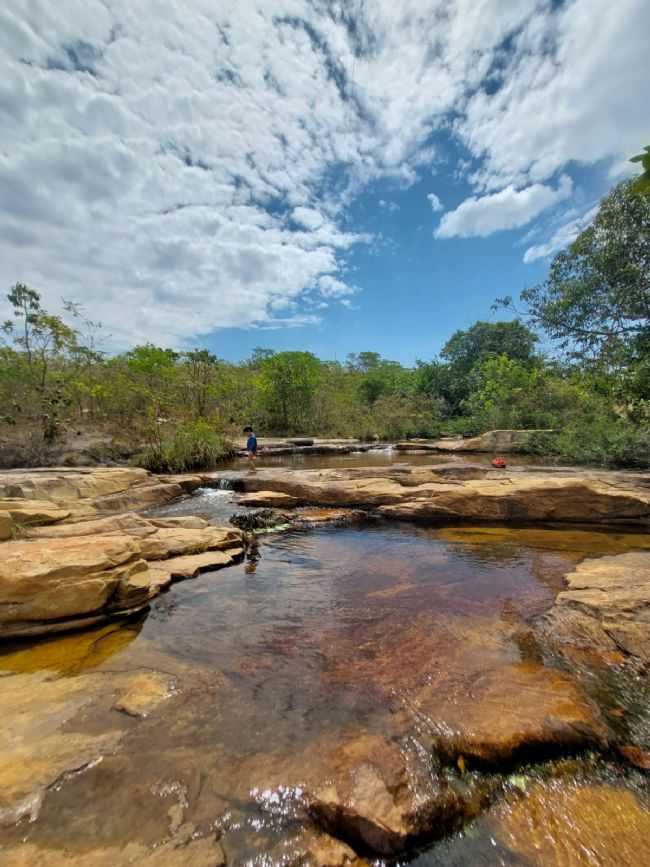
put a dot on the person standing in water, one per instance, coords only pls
(251, 446)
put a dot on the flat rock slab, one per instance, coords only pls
(270, 499)
(510, 714)
(163, 572)
(419, 493)
(606, 606)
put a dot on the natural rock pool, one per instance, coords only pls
(374, 692)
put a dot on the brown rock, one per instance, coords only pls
(129, 524)
(6, 526)
(606, 606)
(163, 572)
(315, 849)
(143, 692)
(492, 441)
(512, 713)
(174, 541)
(271, 499)
(34, 511)
(560, 824)
(187, 522)
(34, 751)
(636, 756)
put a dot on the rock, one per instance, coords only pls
(184, 850)
(315, 517)
(492, 441)
(34, 751)
(6, 526)
(162, 573)
(143, 693)
(62, 578)
(67, 485)
(78, 574)
(175, 541)
(129, 523)
(606, 607)
(510, 496)
(34, 511)
(300, 441)
(187, 522)
(259, 521)
(379, 802)
(315, 849)
(636, 756)
(512, 713)
(562, 824)
(271, 499)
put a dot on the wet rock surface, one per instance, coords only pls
(341, 697)
(606, 606)
(421, 494)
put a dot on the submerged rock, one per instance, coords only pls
(605, 608)
(268, 499)
(564, 824)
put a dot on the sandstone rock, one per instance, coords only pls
(606, 606)
(66, 485)
(187, 522)
(492, 441)
(186, 849)
(271, 499)
(315, 849)
(512, 496)
(143, 692)
(512, 713)
(174, 541)
(62, 578)
(636, 756)
(34, 751)
(315, 517)
(129, 524)
(561, 824)
(6, 526)
(34, 511)
(163, 572)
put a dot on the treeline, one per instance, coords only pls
(184, 407)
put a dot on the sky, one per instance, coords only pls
(330, 175)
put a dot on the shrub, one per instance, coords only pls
(193, 446)
(602, 441)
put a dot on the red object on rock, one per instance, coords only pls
(499, 463)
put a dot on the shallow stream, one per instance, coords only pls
(323, 644)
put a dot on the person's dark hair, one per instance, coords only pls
(248, 429)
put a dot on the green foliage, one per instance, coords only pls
(603, 440)
(641, 185)
(287, 383)
(596, 300)
(193, 446)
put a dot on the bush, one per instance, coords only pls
(602, 441)
(194, 446)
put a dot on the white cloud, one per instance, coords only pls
(388, 206)
(507, 209)
(573, 89)
(567, 232)
(194, 168)
(436, 204)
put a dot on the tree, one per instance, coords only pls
(596, 299)
(641, 185)
(485, 340)
(288, 383)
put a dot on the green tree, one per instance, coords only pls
(288, 382)
(641, 185)
(596, 299)
(484, 340)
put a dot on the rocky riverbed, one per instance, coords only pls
(352, 688)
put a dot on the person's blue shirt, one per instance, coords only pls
(251, 444)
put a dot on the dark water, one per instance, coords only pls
(317, 640)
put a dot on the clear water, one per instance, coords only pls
(317, 640)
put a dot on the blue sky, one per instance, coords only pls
(307, 174)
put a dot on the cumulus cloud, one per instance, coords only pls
(195, 167)
(434, 201)
(507, 209)
(567, 232)
(388, 206)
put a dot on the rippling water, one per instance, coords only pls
(316, 639)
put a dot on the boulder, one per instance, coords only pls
(492, 441)
(606, 607)
(175, 541)
(143, 692)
